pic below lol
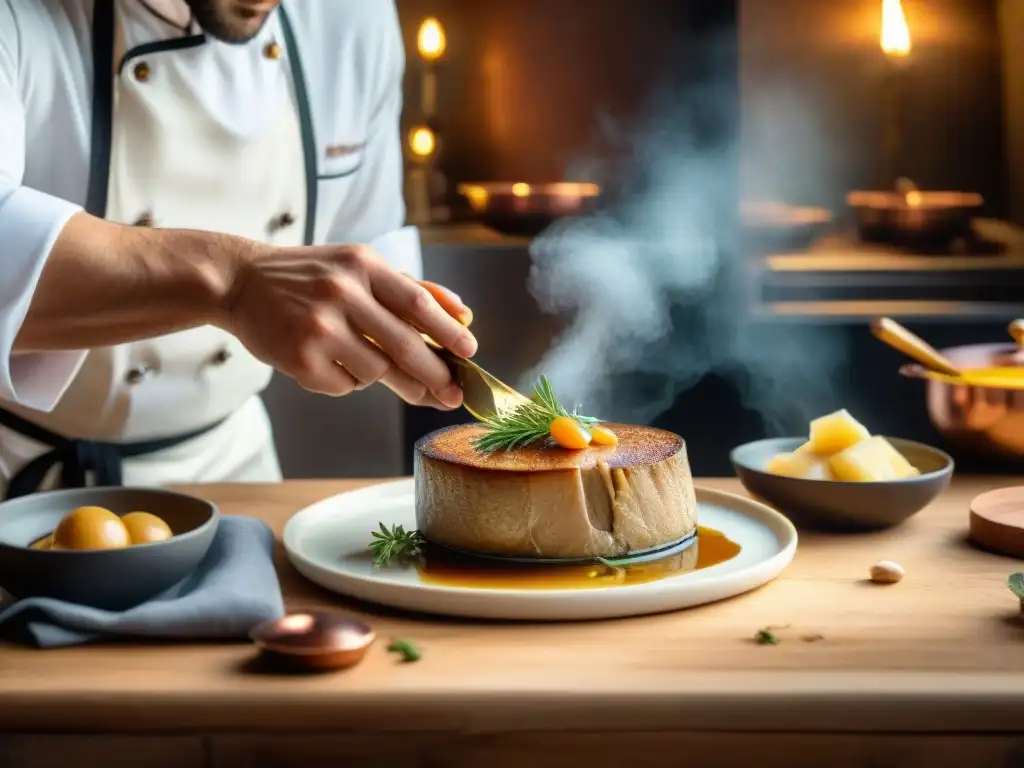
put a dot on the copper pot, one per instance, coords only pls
(527, 209)
(914, 219)
(986, 421)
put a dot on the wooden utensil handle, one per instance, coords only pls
(899, 338)
(1016, 330)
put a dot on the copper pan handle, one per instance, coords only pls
(899, 338)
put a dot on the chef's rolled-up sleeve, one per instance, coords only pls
(30, 222)
(374, 211)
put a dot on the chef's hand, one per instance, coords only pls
(308, 311)
(398, 381)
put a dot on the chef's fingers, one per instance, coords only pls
(324, 377)
(450, 302)
(413, 303)
(364, 362)
(411, 391)
(404, 346)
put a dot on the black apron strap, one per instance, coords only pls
(309, 151)
(102, 106)
(78, 457)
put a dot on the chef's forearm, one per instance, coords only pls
(106, 284)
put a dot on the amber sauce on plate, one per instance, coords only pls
(443, 567)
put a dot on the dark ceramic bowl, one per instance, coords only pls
(837, 506)
(112, 579)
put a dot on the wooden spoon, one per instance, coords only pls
(899, 338)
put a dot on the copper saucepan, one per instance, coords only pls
(527, 209)
(913, 218)
(986, 421)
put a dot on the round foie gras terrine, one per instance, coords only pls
(539, 501)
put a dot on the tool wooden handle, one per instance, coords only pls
(899, 338)
(1016, 330)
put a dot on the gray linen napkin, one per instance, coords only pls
(234, 588)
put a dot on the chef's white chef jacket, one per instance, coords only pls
(128, 110)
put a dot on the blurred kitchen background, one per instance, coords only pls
(868, 160)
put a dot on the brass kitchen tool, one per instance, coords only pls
(899, 338)
(483, 394)
(314, 641)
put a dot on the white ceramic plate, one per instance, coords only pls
(327, 542)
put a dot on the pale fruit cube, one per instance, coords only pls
(871, 460)
(804, 466)
(836, 432)
(806, 449)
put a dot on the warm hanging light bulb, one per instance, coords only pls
(431, 40)
(895, 37)
(422, 141)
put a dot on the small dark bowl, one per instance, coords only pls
(830, 505)
(111, 579)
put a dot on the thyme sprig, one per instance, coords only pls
(1016, 584)
(526, 423)
(406, 650)
(766, 637)
(395, 544)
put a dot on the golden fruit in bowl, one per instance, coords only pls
(144, 527)
(90, 528)
(841, 448)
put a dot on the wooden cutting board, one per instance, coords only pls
(997, 521)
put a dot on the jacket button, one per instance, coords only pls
(142, 72)
(278, 223)
(137, 375)
(221, 356)
(272, 51)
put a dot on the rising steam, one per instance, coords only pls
(658, 290)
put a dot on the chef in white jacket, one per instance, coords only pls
(134, 342)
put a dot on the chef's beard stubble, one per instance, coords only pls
(230, 21)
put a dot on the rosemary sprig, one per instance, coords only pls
(396, 544)
(526, 423)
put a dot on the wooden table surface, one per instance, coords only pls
(940, 652)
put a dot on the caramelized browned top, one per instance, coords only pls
(637, 446)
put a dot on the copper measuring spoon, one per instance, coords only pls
(316, 641)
